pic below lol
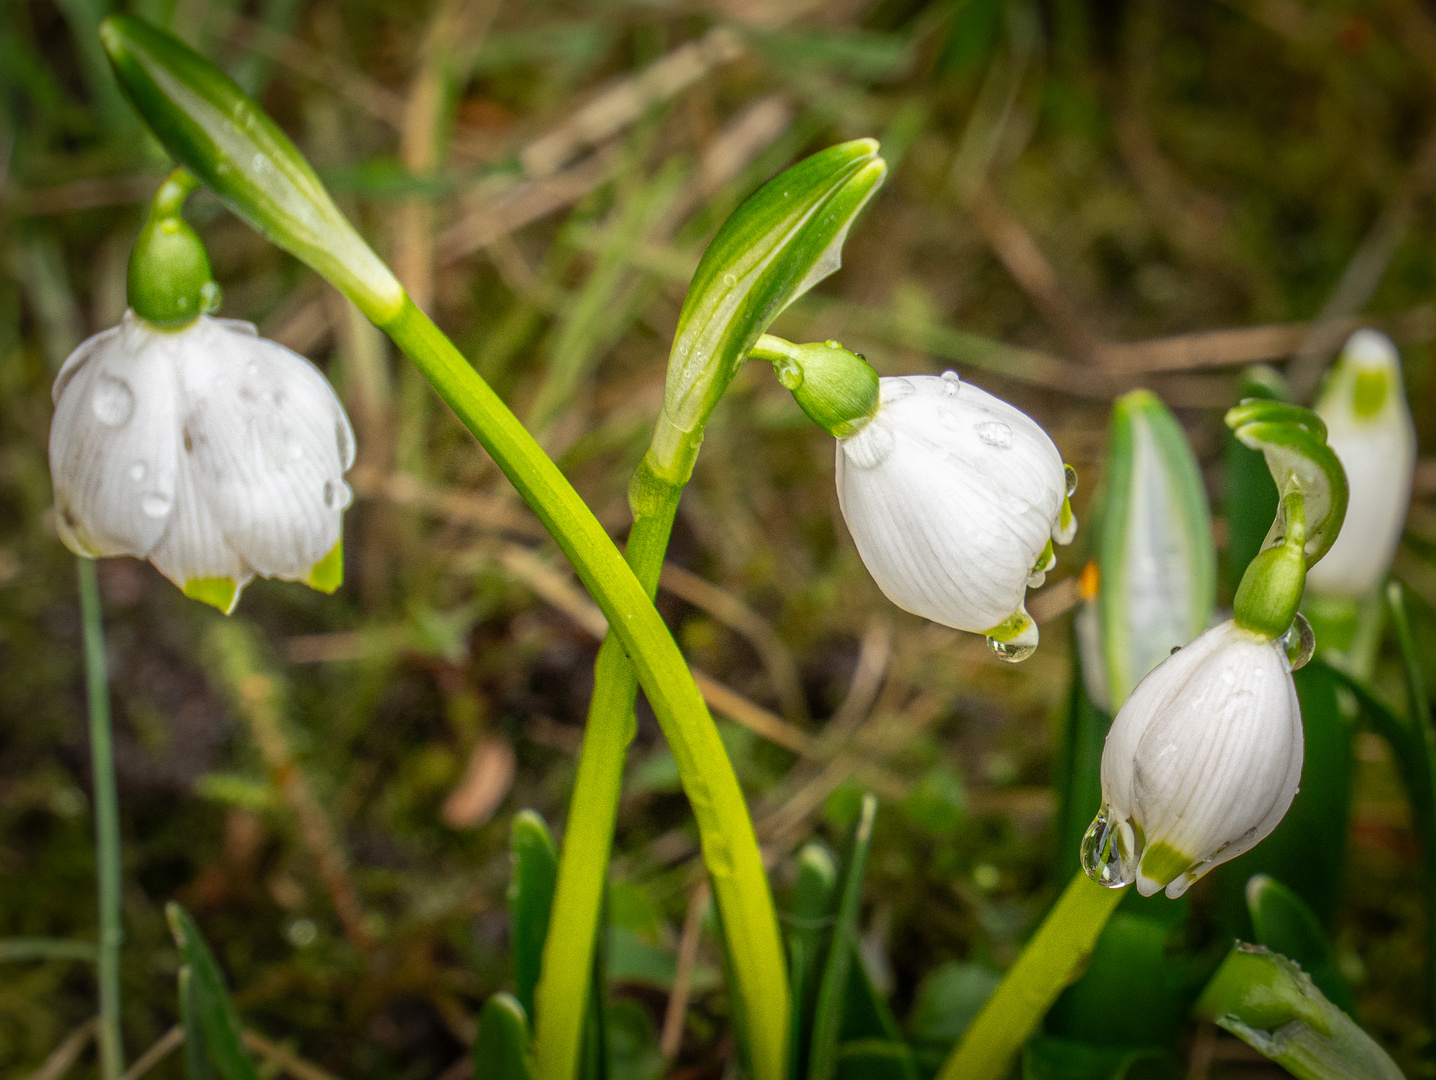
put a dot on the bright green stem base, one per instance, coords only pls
(1052, 959)
(107, 822)
(730, 847)
(561, 999)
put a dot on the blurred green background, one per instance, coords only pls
(1084, 197)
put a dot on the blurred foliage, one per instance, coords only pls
(1065, 175)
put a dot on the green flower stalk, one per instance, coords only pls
(784, 239)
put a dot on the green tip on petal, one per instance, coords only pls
(1369, 392)
(1163, 863)
(328, 573)
(219, 592)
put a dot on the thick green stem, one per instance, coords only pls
(1051, 960)
(561, 999)
(107, 823)
(730, 847)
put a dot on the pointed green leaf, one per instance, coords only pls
(808, 921)
(196, 1046)
(501, 1050)
(205, 1002)
(832, 993)
(1271, 1004)
(221, 135)
(1283, 923)
(535, 874)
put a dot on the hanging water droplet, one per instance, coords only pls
(995, 433)
(951, 383)
(138, 470)
(1110, 854)
(156, 504)
(895, 388)
(1070, 475)
(112, 401)
(1299, 642)
(1014, 652)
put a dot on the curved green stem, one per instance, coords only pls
(107, 822)
(730, 847)
(1051, 959)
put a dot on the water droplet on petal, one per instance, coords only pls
(1110, 853)
(337, 494)
(895, 387)
(1299, 642)
(951, 383)
(156, 504)
(138, 470)
(1070, 475)
(112, 401)
(995, 433)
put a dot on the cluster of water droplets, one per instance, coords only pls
(1111, 850)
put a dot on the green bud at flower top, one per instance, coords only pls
(838, 389)
(169, 279)
(215, 130)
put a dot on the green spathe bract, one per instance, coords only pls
(784, 239)
(208, 123)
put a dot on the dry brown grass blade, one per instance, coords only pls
(1018, 251)
(162, 1048)
(676, 1012)
(284, 1059)
(628, 98)
(64, 1056)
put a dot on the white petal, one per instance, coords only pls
(950, 495)
(113, 441)
(268, 443)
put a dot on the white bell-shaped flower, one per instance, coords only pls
(1201, 763)
(953, 498)
(211, 452)
(1369, 426)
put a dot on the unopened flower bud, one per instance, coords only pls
(954, 499)
(1201, 763)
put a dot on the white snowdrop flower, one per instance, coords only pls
(954, 498)
(1201, 763)
(209, 451)
(1369, 426)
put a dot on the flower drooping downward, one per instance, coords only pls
(954, 498)
(211, 452)
(1201, 763)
